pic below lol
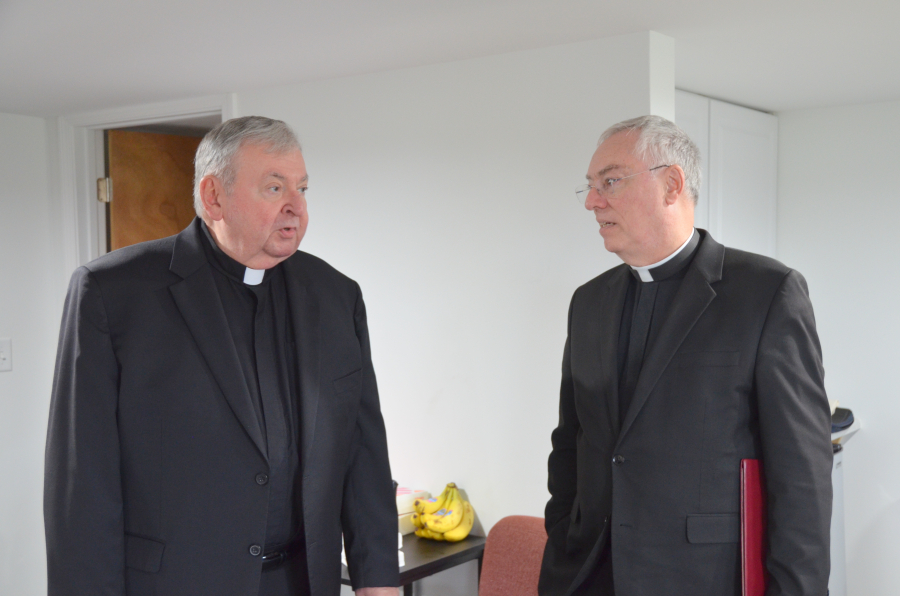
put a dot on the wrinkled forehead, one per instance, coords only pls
(259, 156)
(614, 155)
(253, 147)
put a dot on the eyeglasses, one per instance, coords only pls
(608, 186)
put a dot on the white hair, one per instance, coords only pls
(217, 151)
(660, 142)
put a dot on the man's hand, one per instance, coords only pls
(378, 592)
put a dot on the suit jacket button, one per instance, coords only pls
(618, 459)
(261, 479)
(255, 550)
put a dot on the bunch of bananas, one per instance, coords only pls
(446, 517)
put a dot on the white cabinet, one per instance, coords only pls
(837, 582)
(739, 151)
(692, 115)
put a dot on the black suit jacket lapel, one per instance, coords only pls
(307, 335)
(200, 305)
(691, 300)
(611, 304)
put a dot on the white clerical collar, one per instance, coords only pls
(644, 272)
(253, 277)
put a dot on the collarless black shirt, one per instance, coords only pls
(260, 325)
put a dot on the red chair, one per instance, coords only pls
(512, 557)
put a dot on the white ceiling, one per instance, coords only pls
(66, 57)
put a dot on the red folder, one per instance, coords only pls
(754, 575)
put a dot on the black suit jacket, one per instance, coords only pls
(154, 454)
(735, 372)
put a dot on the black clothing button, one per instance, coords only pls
(619, 459)
(255, 550)
(261, 479)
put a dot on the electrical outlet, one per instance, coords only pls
(5, 354)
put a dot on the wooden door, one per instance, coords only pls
(152, 180)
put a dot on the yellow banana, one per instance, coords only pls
(449, 516)
(434, 503)
(425, 533)
(464, 527)
(416, 519)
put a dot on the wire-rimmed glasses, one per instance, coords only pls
(608, 187)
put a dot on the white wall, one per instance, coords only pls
(30, 307)
(447, 192)
(838, 214)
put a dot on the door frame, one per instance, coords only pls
(81, 162)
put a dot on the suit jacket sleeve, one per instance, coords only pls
(369, 512)
(795, 427)
(562, 465)
(83, 514)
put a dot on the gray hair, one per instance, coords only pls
(660, 142)
(217, 151)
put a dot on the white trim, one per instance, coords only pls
(153, 113)
(96, 167)
(67, 196)
(81, 158)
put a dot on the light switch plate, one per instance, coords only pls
(5, 354)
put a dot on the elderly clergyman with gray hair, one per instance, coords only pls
(680, 363)
(215, 424)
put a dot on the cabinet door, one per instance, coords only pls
(692, 116)
(743, 171)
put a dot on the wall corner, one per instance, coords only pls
(661, 56)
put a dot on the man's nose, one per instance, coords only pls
(594, 200)
(296, 202)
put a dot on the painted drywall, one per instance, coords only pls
(447, 192)
(30, 305)
(838, 208)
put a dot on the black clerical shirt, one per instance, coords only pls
(260, 324)
(647, 303)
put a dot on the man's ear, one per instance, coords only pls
(211, 193)
(675, 183)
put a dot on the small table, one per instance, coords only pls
(427, 557)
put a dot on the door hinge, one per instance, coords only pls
(104, 190)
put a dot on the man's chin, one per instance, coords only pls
(283, 248)
(610, 245)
